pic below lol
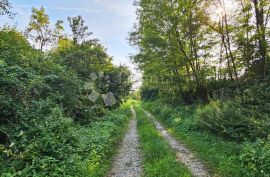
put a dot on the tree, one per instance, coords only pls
(58, 30)
(262, 8)
(14, 48)
(174, 41)
(78, 28)
(245, 40)
(202, 44)
(5, 8)
(38, 28)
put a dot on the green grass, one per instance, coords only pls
(220, 156)
(105, 136)
(68, 149)
(158, 158)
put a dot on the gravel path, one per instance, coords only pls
(183, 154)
(128, 163)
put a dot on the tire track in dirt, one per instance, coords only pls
(183, 155)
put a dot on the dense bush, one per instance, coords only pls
(178, 117)
(14, 47)
(255, 97)
(48, 124)
(53, 145)
(231, 120)
(255, 158)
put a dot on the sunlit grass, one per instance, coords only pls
(158, 158)
(219, 155)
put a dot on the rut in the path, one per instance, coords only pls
(183, 154)
(127, 162)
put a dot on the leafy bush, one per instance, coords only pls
(48, 124)
(52, 145)
(181, 116)
(255, 158)
(14, 47)
(228, 119)
(41, 145)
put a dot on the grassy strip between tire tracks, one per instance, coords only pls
(159, 159)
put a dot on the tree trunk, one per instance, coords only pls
(259, 15)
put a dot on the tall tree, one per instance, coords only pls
(79, 29)
(38, 28)
(59, 29)
(261, 8)
(245, 36)
(58, 32)
(176, 40)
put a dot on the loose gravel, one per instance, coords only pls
(182, 154)
(128, 161)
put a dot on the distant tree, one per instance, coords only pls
(59, 28)
(5, 8)
(58, 32)
(79, 29)
(38, 28)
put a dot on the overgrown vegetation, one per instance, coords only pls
(206, 63)
(159, 160)
(56, 146)
(55, 100)
(255, 158)
(211, 57)
(219, 155)
(223, 149)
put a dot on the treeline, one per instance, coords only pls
(203, 45)
(198, 51)
(52, 85)
(212, 58)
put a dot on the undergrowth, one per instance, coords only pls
(58, 147)
(219, 155)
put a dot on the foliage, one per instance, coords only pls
(49, 125)
(255, 158)
(229, 119)
(149, 94)
(53, 145)
(201, 46)
(14, 48)
(79, 30)
(38, 28)
(219, 155)
(5, 8)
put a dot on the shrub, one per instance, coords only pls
(255, 158)
(47, 143)
(229, 120)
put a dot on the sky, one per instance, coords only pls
(109, 20)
